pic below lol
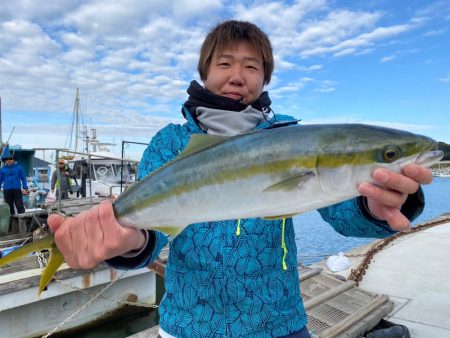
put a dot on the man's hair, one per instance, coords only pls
(229, 33)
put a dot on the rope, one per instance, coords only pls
(358, 273)
(43, 262)
(68, 319)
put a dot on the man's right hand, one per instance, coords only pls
(93, 236)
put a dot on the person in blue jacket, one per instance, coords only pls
(14, 182)
(235, 278)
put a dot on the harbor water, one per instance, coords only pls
(315, 241)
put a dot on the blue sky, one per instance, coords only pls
(375, 62)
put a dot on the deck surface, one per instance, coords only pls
(414, 271)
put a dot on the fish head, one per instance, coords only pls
(351, 152)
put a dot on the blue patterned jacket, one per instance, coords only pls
(234, 278)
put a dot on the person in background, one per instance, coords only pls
(232, 278)
(14, 182)
(63, 183)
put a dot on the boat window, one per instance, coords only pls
(104, 172)
(125, 175)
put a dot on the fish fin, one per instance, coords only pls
(171, 231)
(199, 142)
(274, 218)
(292, 183)
(55, 261)
(22, 252)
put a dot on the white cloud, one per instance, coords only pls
(310, 68)
(435, 32)
(134, 59)
(196, 9)
(388, 58)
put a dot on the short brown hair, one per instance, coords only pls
(231, 32)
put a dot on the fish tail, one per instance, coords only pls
(55, 261)
(46, 243)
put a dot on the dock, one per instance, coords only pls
(413, 269)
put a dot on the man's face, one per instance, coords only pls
(9, 161)
(237, 72)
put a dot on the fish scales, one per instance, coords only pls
(271, 173)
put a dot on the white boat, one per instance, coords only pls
(101, 174)
(76, 298)
(441, 169)
(413, 269)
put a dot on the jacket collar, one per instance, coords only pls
(277, 120)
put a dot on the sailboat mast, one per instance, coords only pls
(76, 109)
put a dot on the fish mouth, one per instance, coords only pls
(428, 157)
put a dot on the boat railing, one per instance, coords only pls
(88, 157)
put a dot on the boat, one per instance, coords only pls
(98, 172)
(101, 174)
(441, 169)
(75, 298)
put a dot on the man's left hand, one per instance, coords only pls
(386, 199)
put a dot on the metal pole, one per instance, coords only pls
(58, 179)
(123, 155)
(121, 166)
(90, 180)
(1, 139)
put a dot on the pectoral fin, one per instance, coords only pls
(171, 231)
(292, 183)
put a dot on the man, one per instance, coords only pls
(217, 285)
(14, 181)
(63, 181)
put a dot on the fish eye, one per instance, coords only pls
(390, 153)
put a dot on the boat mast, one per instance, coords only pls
(76, 109)
(74, 135)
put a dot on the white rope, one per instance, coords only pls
(68, 319)
(43, 262)
(123, 302)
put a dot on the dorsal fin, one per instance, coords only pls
(199, 142)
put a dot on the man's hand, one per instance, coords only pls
(385, 201)
(93, 236)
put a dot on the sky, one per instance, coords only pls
(383, 62)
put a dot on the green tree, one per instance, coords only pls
(446, 149)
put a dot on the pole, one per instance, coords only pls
(1, 139)
(122, 157)
(121, 166)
